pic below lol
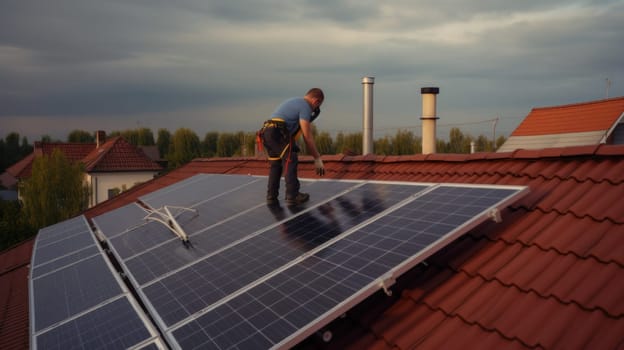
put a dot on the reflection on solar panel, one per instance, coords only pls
(255, 275)
(77, 300)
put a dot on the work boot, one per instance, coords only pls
(271, 199)
(298, 199)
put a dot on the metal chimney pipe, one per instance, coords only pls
(429, 119)
(367, 115)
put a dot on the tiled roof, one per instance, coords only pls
(14, 269)
(118, 155)
(73, 152)
(589, 123)
(114, 155)
(574, 118)
(551, 275)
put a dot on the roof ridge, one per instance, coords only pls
(576, 104)
(99, 153)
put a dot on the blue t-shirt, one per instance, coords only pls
(292, 110)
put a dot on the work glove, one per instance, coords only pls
(318, 166)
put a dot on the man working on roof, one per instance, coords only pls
(278, 135)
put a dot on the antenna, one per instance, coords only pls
(608, 82)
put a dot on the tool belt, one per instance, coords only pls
(275, 138)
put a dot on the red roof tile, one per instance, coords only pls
(579, 117)
(14, 269)
(551, 275)
(114, 155)
(117, 154)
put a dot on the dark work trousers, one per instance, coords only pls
(290, 162)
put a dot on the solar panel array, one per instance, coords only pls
(77, 299)
(262, 276)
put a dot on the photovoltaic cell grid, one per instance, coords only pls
(193, 288)
(173, 255)
(299, 300)
(197, 189)
(70, 280)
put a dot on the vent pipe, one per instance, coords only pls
(100, 138)
(429, 119)
(367, 115)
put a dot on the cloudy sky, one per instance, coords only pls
(224, 65)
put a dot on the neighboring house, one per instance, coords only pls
(111, 166)
(8, 179)
(580, 124)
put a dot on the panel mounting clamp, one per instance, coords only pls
(164, 216)
(385, 282)
(495, 215)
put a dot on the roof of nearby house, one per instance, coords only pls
(14, 268)
(551, 275)
(568, 125)
(10, 176)
(115, 154)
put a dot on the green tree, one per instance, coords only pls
(404, 143)
(456, 141)
(228, 144)
(209, 145)
(25, 148)
(46, 138)
(163, 142)
(248, 144)
(80, 136)
(145, 137)
(12, 148)
(324, 143)
(184, 147)
(55, 191)
(483, 144)
(383, 146)
(13, 229)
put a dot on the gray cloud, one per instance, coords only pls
(141, 59)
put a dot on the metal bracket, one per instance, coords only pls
(165, 217)
(495, 215)
(385, 283)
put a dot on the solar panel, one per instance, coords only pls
(56, 241)
(197, 189)
(254, 275)
(179, 295)
(75, 295)
(286, 307)
(115, 325)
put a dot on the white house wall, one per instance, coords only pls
(101, 183)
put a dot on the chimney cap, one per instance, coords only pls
(430, 90)
(368, 80)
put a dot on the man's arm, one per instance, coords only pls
(306, 129)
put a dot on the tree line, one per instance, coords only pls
(55, 191)
(184, 144)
